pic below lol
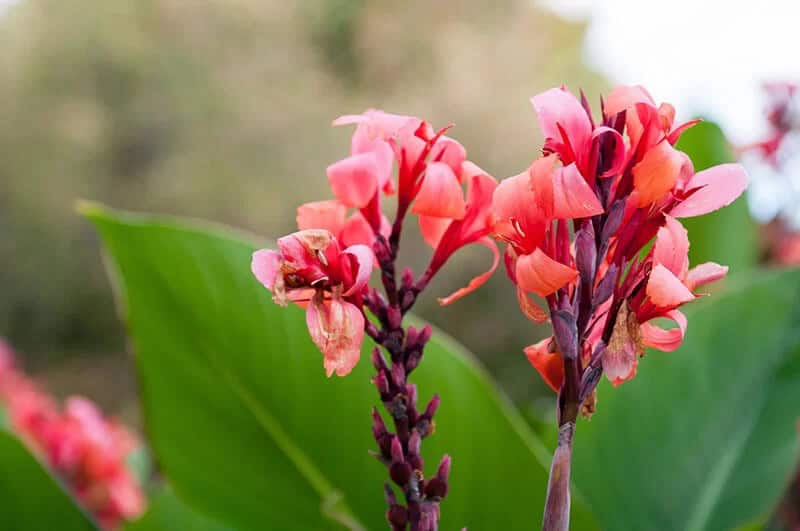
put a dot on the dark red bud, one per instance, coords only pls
(433, 405)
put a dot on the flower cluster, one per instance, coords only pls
(326, 268)
(621, 183)
(87, 451)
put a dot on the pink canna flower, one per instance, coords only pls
(310, 268)
(81, 446)
(620, 183)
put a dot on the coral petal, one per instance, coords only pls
(672, 247)
(529, 308)
(572, 196)
(440, 194)
(542, 275)
(625, 97)
(433, 229)
(357, 230)
(550, 365)
(558, 106)
(666, 340)
(665, 289)
(364, 261)
(657, 173)
(328, 215)
(704, 273)
(479, 280)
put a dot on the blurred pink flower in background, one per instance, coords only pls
(87, 451)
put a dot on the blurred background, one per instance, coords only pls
(221, 109)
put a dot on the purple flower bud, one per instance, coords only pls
(413, 358)
(433, 405)
(414, 443)
(613, 220)
(382, 383)
(412, 335)
(407, 279)
(606, 287)
(399, 375)
(425, 335)
(378, 361)
(388, 494)
(397, 451)
(378, 426)
(585, 257)
(565, 330)
(394, 317)
(436, 488)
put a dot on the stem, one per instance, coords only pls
(557, 504)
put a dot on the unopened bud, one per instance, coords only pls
(437, 486)
(378, 361)
(382, 383)
(433, 405)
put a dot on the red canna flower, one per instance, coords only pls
(619, 183)
(311, 268)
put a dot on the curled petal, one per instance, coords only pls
(666, 340)
(328, 215)
(617, 162)
(540, 274)
(529, 308)
(572, 196)
(337, 328)
(548, 363)
(433, 229)
(469, 170)
(665, 289)
(266, 266)
(364, 261)
(715, 187)
(440, 194)
(354, 180)
(672, 247)
(625, 97)
(676, 133)
(704, 273)
(479, 280)
(657, 173)
(558, 106)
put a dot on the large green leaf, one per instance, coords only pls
(168, 513)
(244, 423)
(704, 437)
(729, 235)
(32, 499)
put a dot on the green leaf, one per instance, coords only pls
(32, 499)
(729, 235)
(168, 513)
(245, 424)
(704, 437)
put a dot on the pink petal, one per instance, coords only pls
(540, 274)
(665, 289)
(676, 133)
(624, 348)
(704, 273)
(657, 173)
(440, 194)
(337, 328)
(328, 215)
(625, 97)
(479, 280)
(572, 196)
(433, 229)
(451, 152)
(672, 247)
(266, 266)
(550, 365)
(354, 180)
(364, 261)
(718, 186)
(558, 106)
(357, 230)
(665, 340)
(469, 170)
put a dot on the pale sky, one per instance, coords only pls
(703, 56)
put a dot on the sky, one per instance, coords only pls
(706, 57)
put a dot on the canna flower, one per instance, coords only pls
(311, 268)
(85, 449)
(619, 183)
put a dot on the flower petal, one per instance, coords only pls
(617, 160)
(558, 106)
(357, 230)
(266, 266)
(572, 196)
(665, 340)
(704, 273)
(364, 261)
(542, 275)
(433, 229)
(549, 364)
(328, 215)
(337, 328)
(656, 173)
(529, 308)
(716, 187)
(665, 290)
(440, 194)
(354, 180)
(451, 152)
(479, 280)
(624, 348)
(625, 97)
(672, 247)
